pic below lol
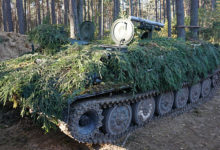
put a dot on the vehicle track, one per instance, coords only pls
(103, 104)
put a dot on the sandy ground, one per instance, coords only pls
(198, 129)
(13, 45)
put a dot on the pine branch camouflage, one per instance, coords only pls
(45, 84)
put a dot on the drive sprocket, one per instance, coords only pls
(85, 120)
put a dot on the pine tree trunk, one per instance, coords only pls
(85, 13)
(115, 15)
(156, 10)
(38, 12)
(48, 10)
(96, 13)
(42, 5)
(139, 5)
(160, 10)
(203, 4)
(15, 20)
(53, 14)
(116, 9)
(136, 8)
(168, 17)
(20, 12)
(180, 19)
(92, 9)
(4, 15)
(59, 13)
(73, 17)
(1, 20)
(80, 11)
(101, 18)
(173, 3)
(25, 15)
(9, 16)
(164, 12)
(194, 18)
(36, 20)
(88, 8)
(66, 12)
(76, 19)
(213, 5)
(29, 16)
(187, 8)
(131, 7)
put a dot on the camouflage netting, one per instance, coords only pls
(13, 45)
(46, 83)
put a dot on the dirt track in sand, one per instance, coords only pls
(198, 129)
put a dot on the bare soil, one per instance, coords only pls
(13, 45)
(198, 129)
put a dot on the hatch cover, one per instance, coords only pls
(122, 31)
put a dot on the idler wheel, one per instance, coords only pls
(143, 111)
(164, 103)
(194, 93)
(118, 119)
(215, 80)
(181, 97)
(85, 121)
(206, 87)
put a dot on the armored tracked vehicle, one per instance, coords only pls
(100, 93)
(105, 116)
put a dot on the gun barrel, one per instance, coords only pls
(137, 19)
